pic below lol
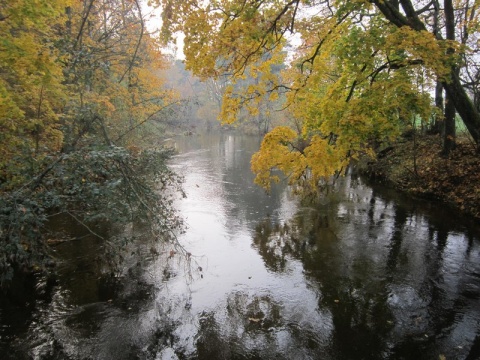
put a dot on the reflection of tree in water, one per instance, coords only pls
(360, 317)
(383, 273)
(274, 243)
(253, 327)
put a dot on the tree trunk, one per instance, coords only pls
(464, 106)
(449, 142)
(449, 137)
(438, 125)
(453, 86)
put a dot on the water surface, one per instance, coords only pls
(360, 273)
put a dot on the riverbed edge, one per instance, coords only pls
(417, 168)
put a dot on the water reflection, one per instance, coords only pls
(395, 283)
(256, 326)
(360, 273)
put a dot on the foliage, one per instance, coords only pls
(109, 186)
(113, 71)
(30, 85)
(80, 84)
(284, 150)
(361, 74)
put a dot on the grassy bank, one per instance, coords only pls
(416, 167)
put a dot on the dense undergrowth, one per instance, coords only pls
(107, 188)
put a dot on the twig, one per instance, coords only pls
(85, 226)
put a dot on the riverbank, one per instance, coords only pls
(416, 167)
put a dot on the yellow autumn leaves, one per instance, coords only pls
(303, 162)
(74, 74)
(31, 89)
(353, 81)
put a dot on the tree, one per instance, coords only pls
(112, 65)
(32, 93)
(361, 75)
(449, 133)
(467, 18)
(80, 82)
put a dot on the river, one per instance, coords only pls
(363, 272)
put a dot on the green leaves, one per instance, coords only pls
(109, 186)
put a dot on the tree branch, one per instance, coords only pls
(147, 119)
(393, 14)
(142, 27)
(85, 225)
(82, 25)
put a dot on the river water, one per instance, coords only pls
(360, 273)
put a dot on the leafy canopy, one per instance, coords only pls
(352, 82)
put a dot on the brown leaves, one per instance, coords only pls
(455, 180)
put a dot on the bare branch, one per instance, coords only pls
(137, 46)
(82, 25)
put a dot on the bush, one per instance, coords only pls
(109, 185)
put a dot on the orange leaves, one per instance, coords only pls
(115, 68)
(350, 84)
(57, 64)
(32, 93)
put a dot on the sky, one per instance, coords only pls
(154, 24)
